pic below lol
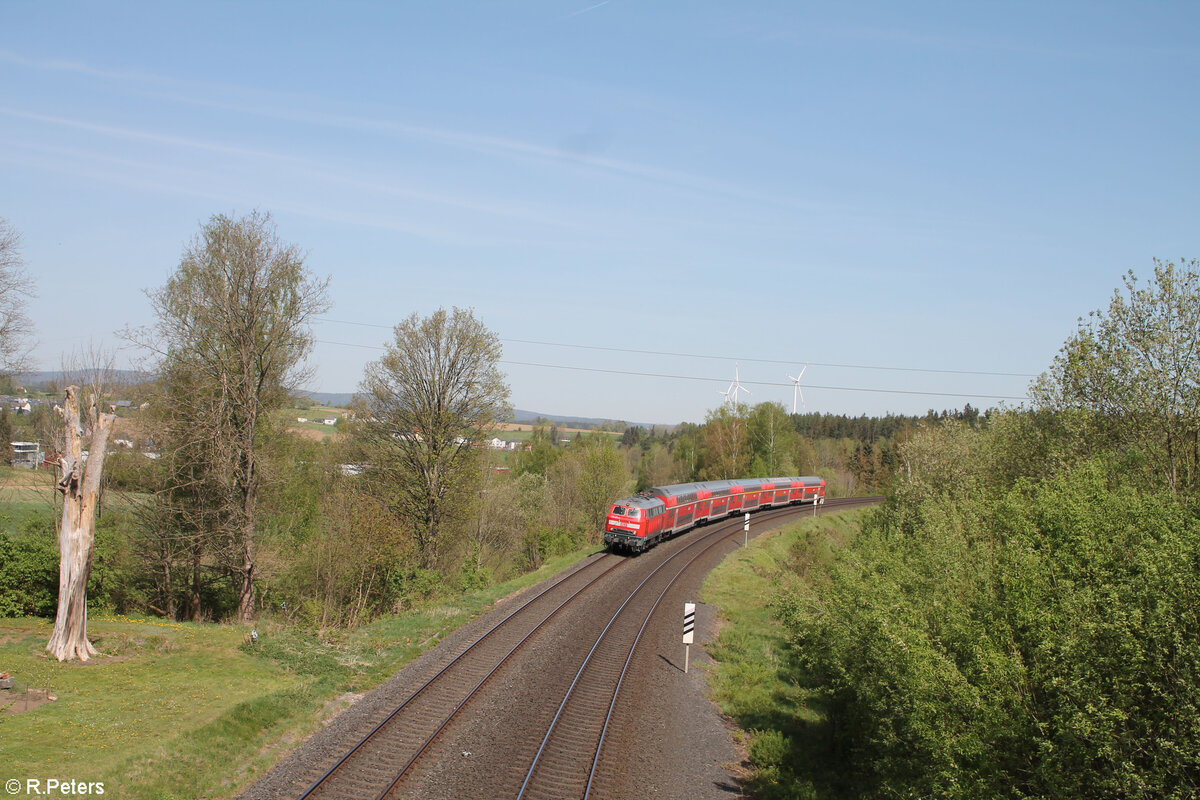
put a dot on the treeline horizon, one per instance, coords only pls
(542, 501)
(235, 518)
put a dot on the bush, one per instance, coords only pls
(28, 574)
(412, 585)
(556, 541)
(1040, 641)
(769, 748)
(472, 575)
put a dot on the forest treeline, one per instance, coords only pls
(218, 512)
(333, 551)
(1022, 616)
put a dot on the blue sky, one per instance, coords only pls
(938, 187)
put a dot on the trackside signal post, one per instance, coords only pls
(746, 531)
(689, 627)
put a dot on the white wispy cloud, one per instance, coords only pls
(267, 105)
(167, 177)
(77, 67)
(586, 10)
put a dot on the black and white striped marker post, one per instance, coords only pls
(689, 627)
(746, 531)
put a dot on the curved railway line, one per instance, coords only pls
(554, 697)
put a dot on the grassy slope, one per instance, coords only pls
(752, 681)
(176, 710)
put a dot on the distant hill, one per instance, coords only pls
(342, 399)
(332, 399)
(39, 381)
(528, 417)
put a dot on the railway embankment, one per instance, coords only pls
(774, 717)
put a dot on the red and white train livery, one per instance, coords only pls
(638, 523)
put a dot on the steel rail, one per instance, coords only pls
(718, 538)
(458, 706)
(371, 734)
(837, 503)
(719, 535)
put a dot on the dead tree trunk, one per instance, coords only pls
(80, 487)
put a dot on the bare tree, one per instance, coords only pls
(232, 335)
(80, 487)
(16, 288)
(429, 401)
(93, 366)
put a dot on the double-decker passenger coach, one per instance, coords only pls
(638, 523)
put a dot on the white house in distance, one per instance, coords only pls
(27, 455)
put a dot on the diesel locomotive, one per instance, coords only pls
(638, 523)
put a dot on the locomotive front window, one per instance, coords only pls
(619, 510)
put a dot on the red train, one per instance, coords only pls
(638, 523)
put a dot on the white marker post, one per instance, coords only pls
(746, 530)
(689, 626)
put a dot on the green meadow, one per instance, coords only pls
(183, 710)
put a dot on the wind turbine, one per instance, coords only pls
(796, 387)
(731, 394)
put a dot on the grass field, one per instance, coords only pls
(181, 710)
(315, 428)
(26, 486)
(752, 680)
(517, 431)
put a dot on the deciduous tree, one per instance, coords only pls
(772, 440)
(726, 443)
(435, 395)
(231, 335)
(16, 289)
(1130, 376)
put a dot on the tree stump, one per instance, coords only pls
(80, 487)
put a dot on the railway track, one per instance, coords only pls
(557, 749)
(565, 765)
(369, 769)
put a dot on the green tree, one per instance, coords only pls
(540, 455)
(1129, 378)
(508, 510)
(772, 441)
(727, 448)
(658, 467)
(6, 433)
(584, 482)
(603, 479)
(231, 337)
(689, 453)
(343, 574)
(436, 393)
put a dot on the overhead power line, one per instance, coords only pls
(669, 376)
(765, 383)
(719, 358)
